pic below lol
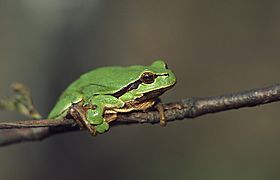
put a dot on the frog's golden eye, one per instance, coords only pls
(148, 77)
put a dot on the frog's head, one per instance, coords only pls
(155, 77)
(152, 81)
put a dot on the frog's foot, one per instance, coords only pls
(162, 119)
(104, 126)
(96, 120)
(101, 128)
(78, 114)
(96, 113)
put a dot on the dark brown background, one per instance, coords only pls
(214, 47)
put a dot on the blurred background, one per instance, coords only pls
(214, 47)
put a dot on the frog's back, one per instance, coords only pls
(105, 80)
(108, 79)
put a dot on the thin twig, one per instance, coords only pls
(187, 108)
(20, 102)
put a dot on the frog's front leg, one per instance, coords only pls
(95, 111)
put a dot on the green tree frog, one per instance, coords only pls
(96, 97)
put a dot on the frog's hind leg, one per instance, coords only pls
(78, 114)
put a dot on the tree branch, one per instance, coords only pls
(32, 130)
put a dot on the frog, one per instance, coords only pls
(96, 98)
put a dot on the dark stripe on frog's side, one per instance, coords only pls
(132, 86)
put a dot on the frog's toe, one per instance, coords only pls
(93, 117)
(101, 128)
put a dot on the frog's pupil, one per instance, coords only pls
(148, 77)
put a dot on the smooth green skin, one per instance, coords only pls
(98, 86)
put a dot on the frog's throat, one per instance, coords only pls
(152, 95)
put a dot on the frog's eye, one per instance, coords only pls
(148, 77)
